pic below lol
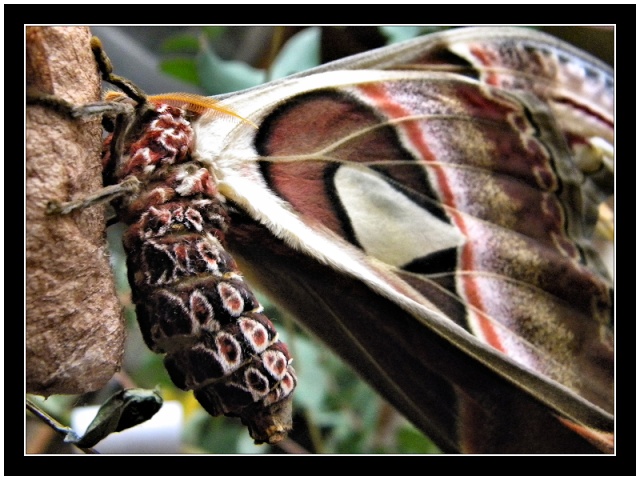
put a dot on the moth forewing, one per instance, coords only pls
(467, 164)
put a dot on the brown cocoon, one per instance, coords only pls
(75, 331)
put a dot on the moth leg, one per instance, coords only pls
(119, 111)
(88, 110)
(113, 106)
(58, 104)
(130, 186)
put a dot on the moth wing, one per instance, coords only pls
(434, 229)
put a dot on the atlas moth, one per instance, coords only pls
(428, 209)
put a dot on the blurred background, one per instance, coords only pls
(335, 412)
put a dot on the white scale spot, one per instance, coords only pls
(255, 333)
(202, 314)
(229, 352)
(389, 225)
(231, 298)
(253, 380)
(276, 363)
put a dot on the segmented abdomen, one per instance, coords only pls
(191, 301)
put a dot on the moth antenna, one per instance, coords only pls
(106, 69)
(194, 103)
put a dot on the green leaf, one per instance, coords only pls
(183, 68)
(313, 382)
(222, 76)
(182, 43)
(411, 440)
(396, 34)
(301, 52)
(220, 435)
(213, 32)
(123, 410)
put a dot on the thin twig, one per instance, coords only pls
(55, 425)
(290, 446)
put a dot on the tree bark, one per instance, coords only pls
(74, 326)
